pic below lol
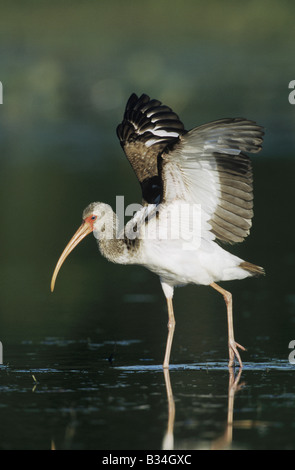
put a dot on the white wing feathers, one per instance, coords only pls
(206, 166)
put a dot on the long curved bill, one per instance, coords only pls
(81, 233)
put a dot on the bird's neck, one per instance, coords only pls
(115, 250)
(113, 244)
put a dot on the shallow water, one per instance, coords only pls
(77, 399)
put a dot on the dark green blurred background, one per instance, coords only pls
(67, 69)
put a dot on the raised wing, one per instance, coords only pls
(147, 128)
(207, 166)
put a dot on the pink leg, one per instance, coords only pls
(232, 344)
(171, 327)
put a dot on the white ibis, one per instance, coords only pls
(206, 169)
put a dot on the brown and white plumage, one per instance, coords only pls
(205, 169)
(208, 162)
(146, 130)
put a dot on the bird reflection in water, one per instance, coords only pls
(168, 441)
(222, 442)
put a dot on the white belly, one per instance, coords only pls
(176, 264)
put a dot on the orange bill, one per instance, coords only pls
(81, 233)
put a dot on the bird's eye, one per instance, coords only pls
(93, 217)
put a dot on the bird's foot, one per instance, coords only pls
(233, 352)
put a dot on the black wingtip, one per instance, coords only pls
(146, 118)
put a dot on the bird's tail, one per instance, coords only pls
(252, 268)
